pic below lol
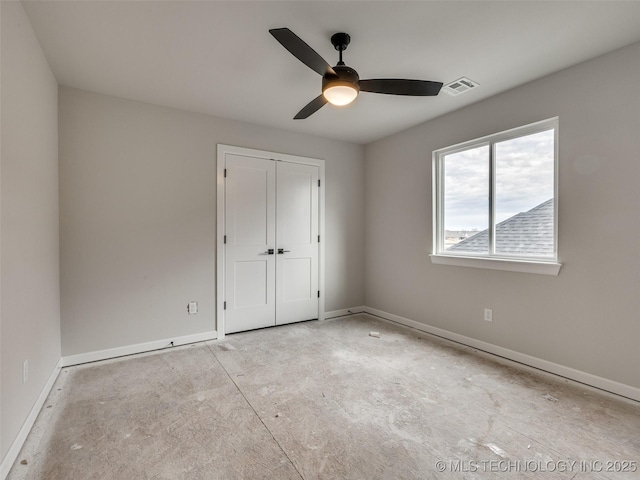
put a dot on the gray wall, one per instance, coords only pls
(30, 307)
(587, 317)
(138, 217)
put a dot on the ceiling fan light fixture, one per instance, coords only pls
(340, 93)
(341, 88)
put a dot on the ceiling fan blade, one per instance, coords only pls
(302, 51)
(312, 107)
(399, 86)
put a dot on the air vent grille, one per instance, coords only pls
(459, 86)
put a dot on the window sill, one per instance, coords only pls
(508, 265)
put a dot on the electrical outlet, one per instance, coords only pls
(192, 308)
(25, 371)
(488, 315)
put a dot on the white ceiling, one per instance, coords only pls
(218, 58)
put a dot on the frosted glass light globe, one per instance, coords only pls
(340, 94)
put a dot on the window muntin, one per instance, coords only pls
(495, 197)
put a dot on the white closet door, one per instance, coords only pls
(250, 196)
(297, 238)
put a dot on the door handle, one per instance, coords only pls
(282, 250)
(268, 252)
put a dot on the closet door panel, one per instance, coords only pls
(250, 196)
(297, 239)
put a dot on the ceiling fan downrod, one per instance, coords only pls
(340, 42)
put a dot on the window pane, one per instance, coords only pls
(466, 201)
(524, 195)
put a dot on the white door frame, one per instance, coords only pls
(223, 150)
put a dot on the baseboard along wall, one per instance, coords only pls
(137, 348)
(18, 442)
(343, 312)
(620, 389)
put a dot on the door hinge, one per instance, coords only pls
(318, 182)
(225, 306)
(318, 293)
(318, 238)
(225, 173)
(225, 239)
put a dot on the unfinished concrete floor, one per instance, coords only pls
(325, 400)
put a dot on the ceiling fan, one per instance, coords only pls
(341, 84)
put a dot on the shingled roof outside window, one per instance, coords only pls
(525, 234)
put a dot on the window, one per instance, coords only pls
(495, 201)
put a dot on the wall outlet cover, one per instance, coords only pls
(192, 308)
(25, 371)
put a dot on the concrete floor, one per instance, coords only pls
(325, 400)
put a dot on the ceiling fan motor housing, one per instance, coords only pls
(346, 76)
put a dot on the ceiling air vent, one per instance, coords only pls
(459, 86)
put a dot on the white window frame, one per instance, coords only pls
(493, 261)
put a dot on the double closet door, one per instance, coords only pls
(271, 242)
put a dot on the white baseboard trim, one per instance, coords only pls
(343, 312)
(579, 376)
(137, 348)
(16, 446)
